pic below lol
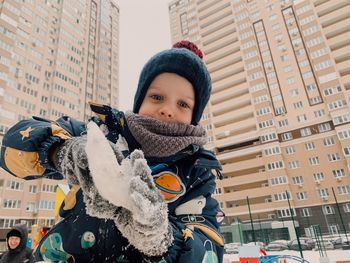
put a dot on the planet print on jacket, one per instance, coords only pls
(170, 186)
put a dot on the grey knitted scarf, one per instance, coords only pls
(161, 139)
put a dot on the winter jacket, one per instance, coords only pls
(185, 180)
(21, 253)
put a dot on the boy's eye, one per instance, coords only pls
(184, 104)
(156, 97)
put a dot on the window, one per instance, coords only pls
(301, 118)
(305, 132)
(273, 17)
(344, 118)
(328, 210)
(275, 165)
(33, 189)
(304, 63)
(282, 196)
(280, 110)
(309, 146)
(287, 136)
(333, 157)
(268, 137)
(315, 100)
(30, 207)
(46, 205)
(318, 176)
(345, 134)
(323, 65)
(272, 150)
(283, 123)
(271, 75)
(287, 69)
(275, 26)
(266, 124)
(301, 195)
(279, 180)
(332, 90)
(333, 229)
(307, 75)
(323, 192)
(12, 204)
(293, 165)
(285, 212)
(314, 160)
(306, 212)
(323, 127)
(290, 149)
(298, 180)
(298, 105)
(328, 141)
(343, 189)
(290, 80)
(311, 87)
(13, 185)
(337, 104)
(346, 151)
(284, 58)
(319, 113)
(263, 111)
(346, 208)
(294, 92)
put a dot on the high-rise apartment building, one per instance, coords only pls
(55, 57)
(279, 114)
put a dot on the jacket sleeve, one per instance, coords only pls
(196, 221)
(26, 146)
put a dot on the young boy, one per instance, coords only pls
(155, 205)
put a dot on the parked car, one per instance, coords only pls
(305, 244)
(278, 245)
(346, 245)
(231, 248)
(337, 243)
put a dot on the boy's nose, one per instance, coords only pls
(167, 113)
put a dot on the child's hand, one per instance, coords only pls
(144, 221)
(129, 185)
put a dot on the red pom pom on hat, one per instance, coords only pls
(190, 46)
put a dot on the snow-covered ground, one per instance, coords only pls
(311, 256)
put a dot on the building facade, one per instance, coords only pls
(55, 57)
(279, 114)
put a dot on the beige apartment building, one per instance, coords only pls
(55, 57)
(279, 114)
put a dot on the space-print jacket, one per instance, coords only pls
(186, 181)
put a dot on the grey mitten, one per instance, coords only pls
(71, 161)
(144, 217)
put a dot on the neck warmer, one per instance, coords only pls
(162, 139)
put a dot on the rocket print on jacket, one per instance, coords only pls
(52, 249)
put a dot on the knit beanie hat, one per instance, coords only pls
(14, 233)
(184, 59)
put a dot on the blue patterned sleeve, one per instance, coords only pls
(26, 146)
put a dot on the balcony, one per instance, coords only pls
(255, 208)
(243, 179)
(231, 105)
(247, 136)
(232, 167)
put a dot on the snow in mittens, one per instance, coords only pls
(106, 173)
(144, 221)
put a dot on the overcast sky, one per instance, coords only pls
(144, 31)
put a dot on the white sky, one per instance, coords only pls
(144, 31)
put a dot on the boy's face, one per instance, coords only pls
(14, 242)
(170, 98)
